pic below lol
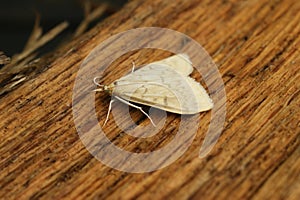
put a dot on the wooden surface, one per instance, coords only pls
(256, 46)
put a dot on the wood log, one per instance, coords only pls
(255, 45)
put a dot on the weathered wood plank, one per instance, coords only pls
(256, 46)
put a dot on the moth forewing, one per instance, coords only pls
(204, 101)
(180, 62)
(163, 84)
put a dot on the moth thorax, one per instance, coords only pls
(108, 88)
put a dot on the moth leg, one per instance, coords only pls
(109, 109)
(137, 107)
(133, 66)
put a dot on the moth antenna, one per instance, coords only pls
(98, 90)
(109, 109)
(133, 66)
(96, 83)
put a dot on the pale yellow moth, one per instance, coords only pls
(161, 85)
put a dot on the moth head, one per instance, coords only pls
(105, 88)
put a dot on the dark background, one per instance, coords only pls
(17, 19)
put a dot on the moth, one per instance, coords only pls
(163, 84)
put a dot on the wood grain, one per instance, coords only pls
(256, 46)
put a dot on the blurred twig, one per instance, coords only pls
(4, 59)
(35, 34)
(90, 15)
(36, 40)
(19, 67)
